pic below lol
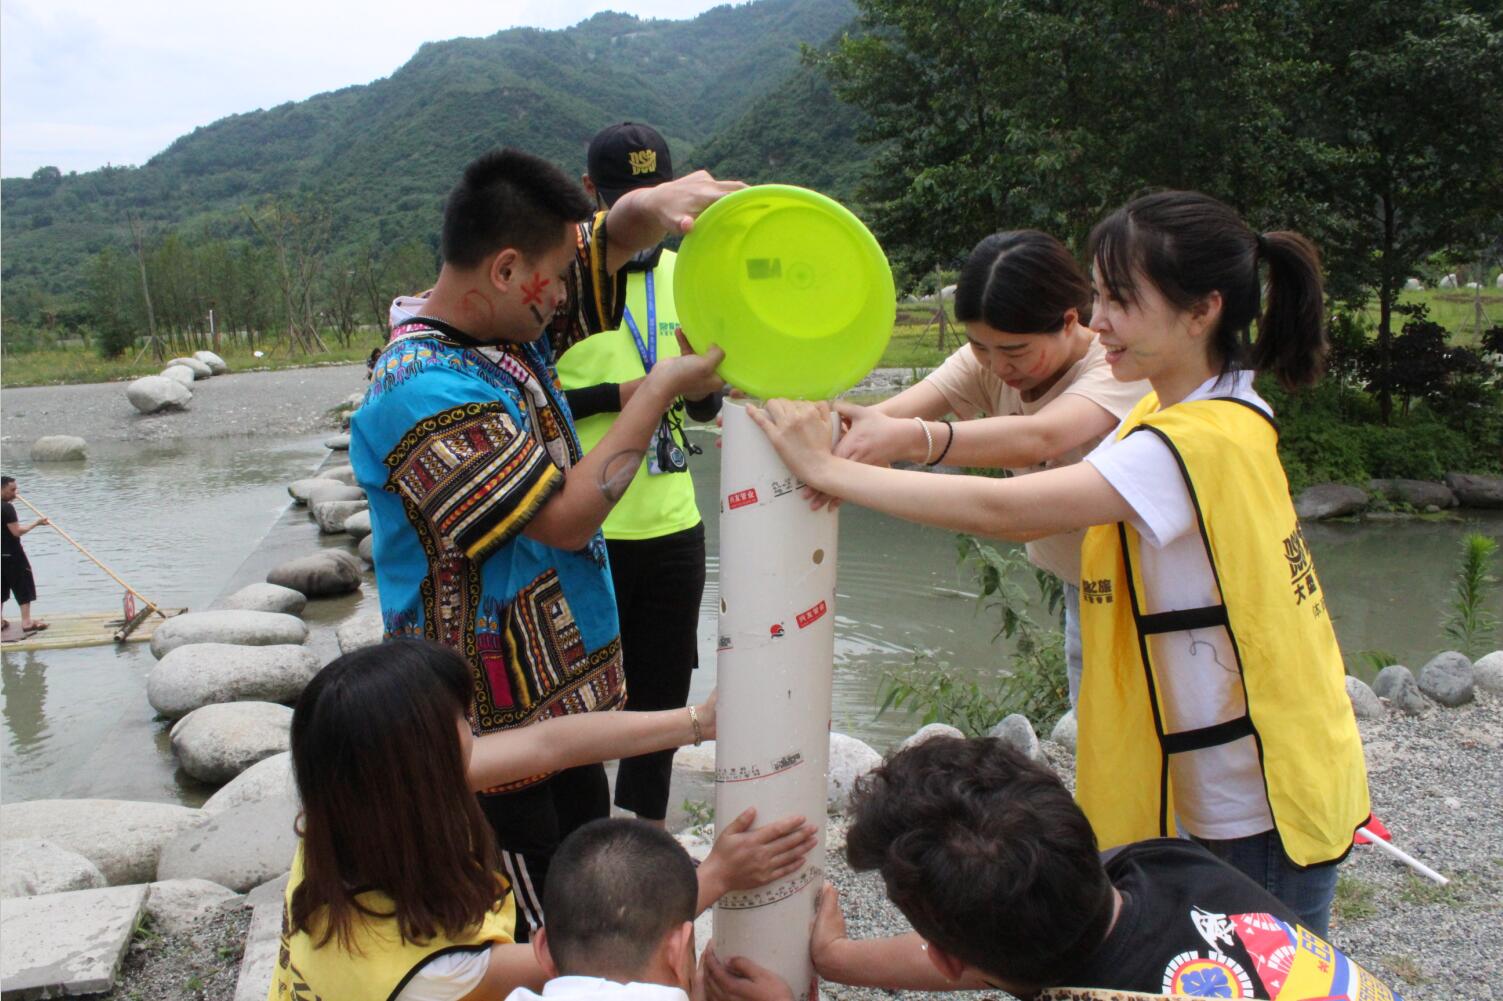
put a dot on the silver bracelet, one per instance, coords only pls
(928, 439)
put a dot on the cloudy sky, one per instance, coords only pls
(89, 82)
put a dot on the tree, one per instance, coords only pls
(1403, 114)
(299, 235)
(1000, 115)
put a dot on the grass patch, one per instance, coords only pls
(60, 366)
(1454, 309)
(1417, 890)
(1407, 969)
(1354, 900)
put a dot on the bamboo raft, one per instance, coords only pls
(84, 629)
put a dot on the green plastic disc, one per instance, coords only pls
(792, 286)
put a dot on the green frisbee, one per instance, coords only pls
(791, 286)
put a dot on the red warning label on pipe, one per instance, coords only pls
(813, 614)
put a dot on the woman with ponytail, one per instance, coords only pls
(1213, 701)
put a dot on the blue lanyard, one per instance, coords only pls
(649, 355)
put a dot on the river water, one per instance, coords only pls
(187, 521)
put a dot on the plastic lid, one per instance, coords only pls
(792, 286)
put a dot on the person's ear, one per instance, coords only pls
(1072, 317)
(541, 954)
(503, 269)
(948, 966)
(1205, 314)
(678, 946)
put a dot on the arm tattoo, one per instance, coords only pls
(617, 473)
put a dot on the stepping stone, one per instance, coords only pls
(67, 943)
(240, 848)
(122, 838)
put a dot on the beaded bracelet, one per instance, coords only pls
(928, 439)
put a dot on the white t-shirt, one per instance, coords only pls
(448, 977)
(971, 389)
(595, 989)
(1219, 791)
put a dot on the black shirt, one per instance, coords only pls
(12, 543)
(1191, 924)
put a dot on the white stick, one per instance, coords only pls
(1403, 857)
(777, 643)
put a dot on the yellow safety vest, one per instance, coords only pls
(653, 506)
(381, 963)
(1275, 616)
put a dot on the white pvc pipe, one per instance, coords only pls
(776, 652)
(1394, 850)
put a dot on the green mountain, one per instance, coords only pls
(381, 156)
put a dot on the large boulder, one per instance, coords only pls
(1396, 684)
(362, 630)
(200, 369)
(338, 443)
(230, 625)
(30, 868)
(267, 778)
(202, 674)
(1488, 672)
(1018, 732)
(331, 515)
(1476, 491)
(1416, 493)
(179, 373)
(151, 393)
(122, 838)
(1390, 679)
(182, 906)
(216, 364)
(320, 491)
(849, 760)
(240, 848)
(59, 448)
(929, 732)
(1329, 500)
(367, 549)
(298, 489)
(218, 742)
(1448, 679)
(263, 597)
(358, 525)
(1365, 702)
(339, 474)
(320, 575)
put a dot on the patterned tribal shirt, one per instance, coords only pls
(458, 448)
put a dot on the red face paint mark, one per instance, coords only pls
(532, 292)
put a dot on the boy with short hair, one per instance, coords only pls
(994, 865)
(621, 902)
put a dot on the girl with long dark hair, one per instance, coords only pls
(394, 891)
(1213, 697)
(1032, 374)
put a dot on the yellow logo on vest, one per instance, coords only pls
(643, 161)
(1096, 592)
(1302, 580)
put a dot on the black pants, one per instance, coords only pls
(16, 579)
(659, 585)
(530, 825)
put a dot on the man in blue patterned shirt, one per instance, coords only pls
(485, 513)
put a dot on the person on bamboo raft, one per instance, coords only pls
(1213, 698)
(394, 892)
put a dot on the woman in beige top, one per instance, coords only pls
(1033, 390)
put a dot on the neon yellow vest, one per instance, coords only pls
(1275, 615)
(653, 505)
(381, 963)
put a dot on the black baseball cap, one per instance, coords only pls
(627, 156)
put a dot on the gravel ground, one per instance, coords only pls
(1437, 783)
(203, 966)
(284, 402)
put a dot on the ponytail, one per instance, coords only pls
(1291, 330)
(1188, 245)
